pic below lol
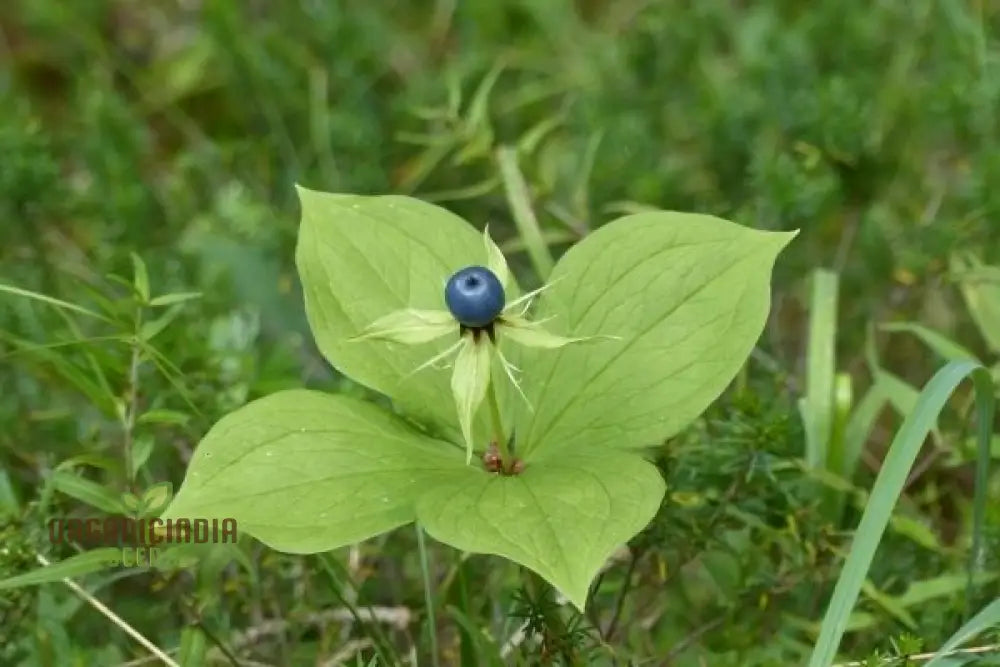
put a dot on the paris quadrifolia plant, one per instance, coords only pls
(639, 328)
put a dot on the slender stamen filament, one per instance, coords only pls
(436, 358)
(526, 298)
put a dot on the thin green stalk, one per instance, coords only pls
(524, 216)
(131, 405)
(428, 596)
(817, 406)
(506, 460)
(383, 647)
(985, 409)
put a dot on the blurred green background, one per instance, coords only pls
(176, 130)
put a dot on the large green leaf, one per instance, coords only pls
(688, 295)
(561, 517)
(304, 471)
(361, 258)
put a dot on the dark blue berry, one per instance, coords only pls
(474, 296)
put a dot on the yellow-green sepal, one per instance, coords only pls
(469, 381)
(410, 326)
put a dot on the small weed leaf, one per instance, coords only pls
(673, 303)
(157, 496)
(131, 502)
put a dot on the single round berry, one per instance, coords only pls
(474, 296)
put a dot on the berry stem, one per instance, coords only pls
(506, 460)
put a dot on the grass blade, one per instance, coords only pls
(94, 560)
(524, 217)
(428, 593)
(987, 618)
(88, 492)
(945, 347)
(859, 427)
(887, 489)
(59, 303)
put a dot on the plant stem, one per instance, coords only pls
(131, 407)
(620, 603)
(506, 460)
(383, 647)
(428, 596)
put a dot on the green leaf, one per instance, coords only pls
(561, 517)
(9, 503)
(141, 277)
(153, 328)
(362, 258)
(131, 502)
(142, 447)
(177, 297)
(107, 463)
(305, 472)
(83, 563)
(888, 604)
(688, 294)
(945, 347)
(87, 492)
(92, 388)
(157, 496)
(925, 590)
(58, 303)
(160, 416)
(859, 427)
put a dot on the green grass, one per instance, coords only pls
(147, 287)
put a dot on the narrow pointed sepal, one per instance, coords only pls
(495, 260)
(410, 326)
(469, 381)
(510, 370)
(533, 334)
(438, 360)
(519, 307)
